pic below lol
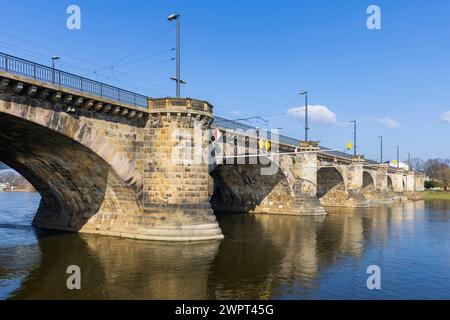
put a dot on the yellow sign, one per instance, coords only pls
(261, 144)
(267, 145)
(349, 145)
(394, 162)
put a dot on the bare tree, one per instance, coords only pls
(439, 170)
(417, 164)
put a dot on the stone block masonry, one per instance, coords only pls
(176, 177)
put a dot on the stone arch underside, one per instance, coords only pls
(331, 187)
(368, 187)
(390, 186)
(79, 190)
(270, 186)
(242, 188)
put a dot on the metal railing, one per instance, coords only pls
(223, 123)
(64, 79)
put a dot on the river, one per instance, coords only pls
(261, 257)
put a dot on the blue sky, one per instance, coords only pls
(251, 58)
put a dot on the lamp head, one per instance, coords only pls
(173, 17)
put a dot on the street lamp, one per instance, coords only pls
(54, 58)
(177, 78)
(398, 156)
(381, 148)
(305, 93)
(354, 137)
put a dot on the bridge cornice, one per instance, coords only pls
(72, 99)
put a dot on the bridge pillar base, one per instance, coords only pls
(300, 206)
(358, 200)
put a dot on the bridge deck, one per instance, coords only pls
(55, 77)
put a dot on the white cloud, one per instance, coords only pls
(445, 117)
(387, 122)
(316, 113)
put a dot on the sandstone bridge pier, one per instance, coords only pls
(101, 159)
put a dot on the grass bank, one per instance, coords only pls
(434, 195)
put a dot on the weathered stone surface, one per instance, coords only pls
(176, 178)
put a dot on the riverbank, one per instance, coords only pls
(434, 195)
(18, 190)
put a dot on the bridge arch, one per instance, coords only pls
(242, 187)
(368, 187)
(331, 188)
(82, 178)
(270, 186)
(390, 186)
(368, 180)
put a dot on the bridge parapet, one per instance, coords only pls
(45, 75)
(71, 101)
(181, 105)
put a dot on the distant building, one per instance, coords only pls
(5, 186)
(401, 165)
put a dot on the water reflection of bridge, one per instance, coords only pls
(262, 257)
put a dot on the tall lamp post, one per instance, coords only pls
(54, 58)
(354, 137)
(305, 93)
(398, 156)
(177, 78)
(409, 161)
(381, 148)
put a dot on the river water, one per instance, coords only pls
(262, 257)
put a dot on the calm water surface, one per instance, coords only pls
(262, 257)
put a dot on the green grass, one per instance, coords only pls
(435, 195)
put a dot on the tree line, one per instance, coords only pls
(437, 169)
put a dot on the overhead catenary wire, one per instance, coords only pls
(96, 71)
(146, 57)
(144, 45)
(149, 66)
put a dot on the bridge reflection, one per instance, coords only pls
(262, 257)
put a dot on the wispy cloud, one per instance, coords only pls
(445, 117)
(316, 113)
(387, 122)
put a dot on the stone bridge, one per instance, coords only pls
(309, 178)
(105, 161)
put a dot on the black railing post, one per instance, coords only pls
(6, 63)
